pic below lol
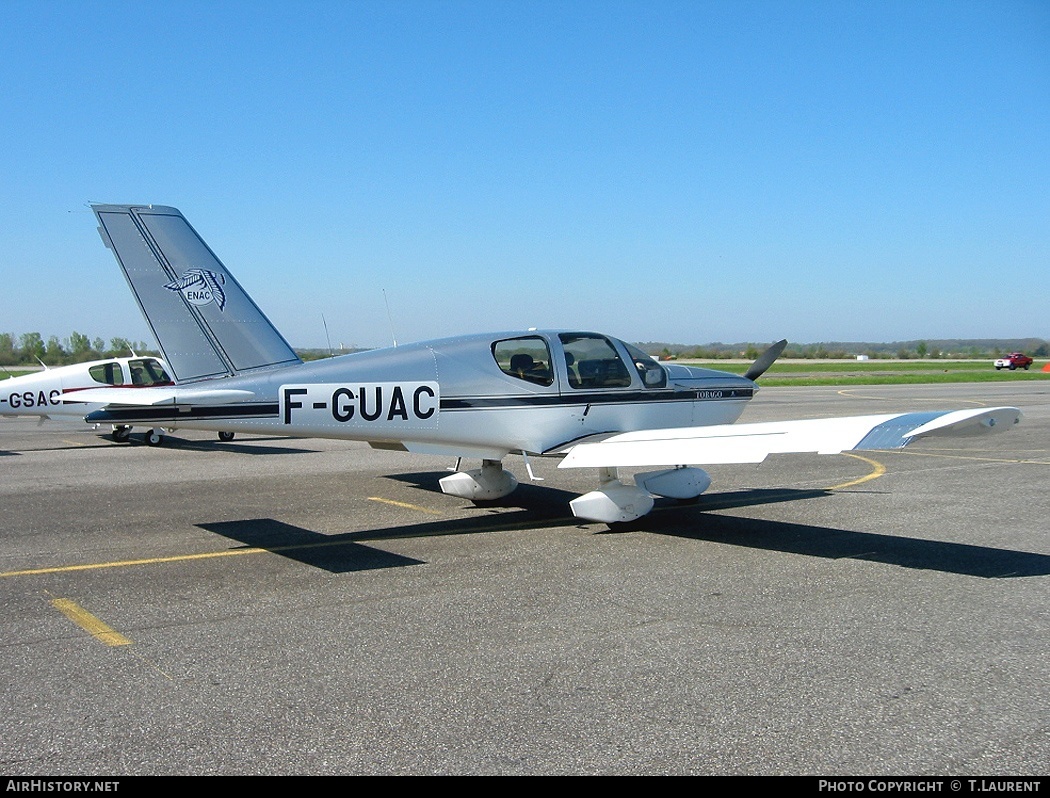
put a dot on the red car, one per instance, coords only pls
(1013, 361)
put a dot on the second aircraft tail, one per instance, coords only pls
(204, 322)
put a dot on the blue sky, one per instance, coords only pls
(661, 171)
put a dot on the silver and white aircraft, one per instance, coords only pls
(590, 399)
(46, 393)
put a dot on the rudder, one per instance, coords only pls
(204, 322)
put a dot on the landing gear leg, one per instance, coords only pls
(121, 433)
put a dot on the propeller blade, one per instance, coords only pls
(765, 360)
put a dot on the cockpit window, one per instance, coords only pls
(651, 372)
(107, 373)
(527, 359)
(592, 362)
(147, 372)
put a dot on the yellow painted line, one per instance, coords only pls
(97, 566)
(89, 623)
(405, 505)
(74, 443)
(879, 470)
(59, 569)
(848, 393)
(1014, 461)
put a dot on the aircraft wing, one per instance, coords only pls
(152, 397)
(752, 443)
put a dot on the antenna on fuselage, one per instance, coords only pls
(389, 318)
(327, 336)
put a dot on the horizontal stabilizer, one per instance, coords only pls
(152, 397)
(752, 443)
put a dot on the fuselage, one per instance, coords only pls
(40, 394)
(484, 395)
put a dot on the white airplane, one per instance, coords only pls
(590, 399)
(42, 394)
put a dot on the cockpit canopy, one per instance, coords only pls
(590, 361)
(137, 371)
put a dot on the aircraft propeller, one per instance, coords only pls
(765, 360)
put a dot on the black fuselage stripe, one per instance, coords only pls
(582, 400)
(272, 410)
(224, 412)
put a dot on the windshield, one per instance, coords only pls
(651, 372)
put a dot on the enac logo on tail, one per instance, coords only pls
(201, 287)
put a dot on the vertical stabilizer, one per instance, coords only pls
(204, 322)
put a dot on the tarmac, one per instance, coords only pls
(278, 606)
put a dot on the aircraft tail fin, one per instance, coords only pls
(204, 322)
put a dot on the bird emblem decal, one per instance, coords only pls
(201, 287)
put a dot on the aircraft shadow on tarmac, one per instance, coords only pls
(536, 507)
(250, 446)
(814, 541)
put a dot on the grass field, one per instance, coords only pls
(879, 372)
(857, 372)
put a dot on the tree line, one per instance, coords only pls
(31, 349)
(957, 349)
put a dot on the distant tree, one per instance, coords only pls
(921, 349)
(32, 346)
(98, 345)
(8, 356)
(79, 343)
(54, 354)
(119, 347)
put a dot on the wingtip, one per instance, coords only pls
(970, 422)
